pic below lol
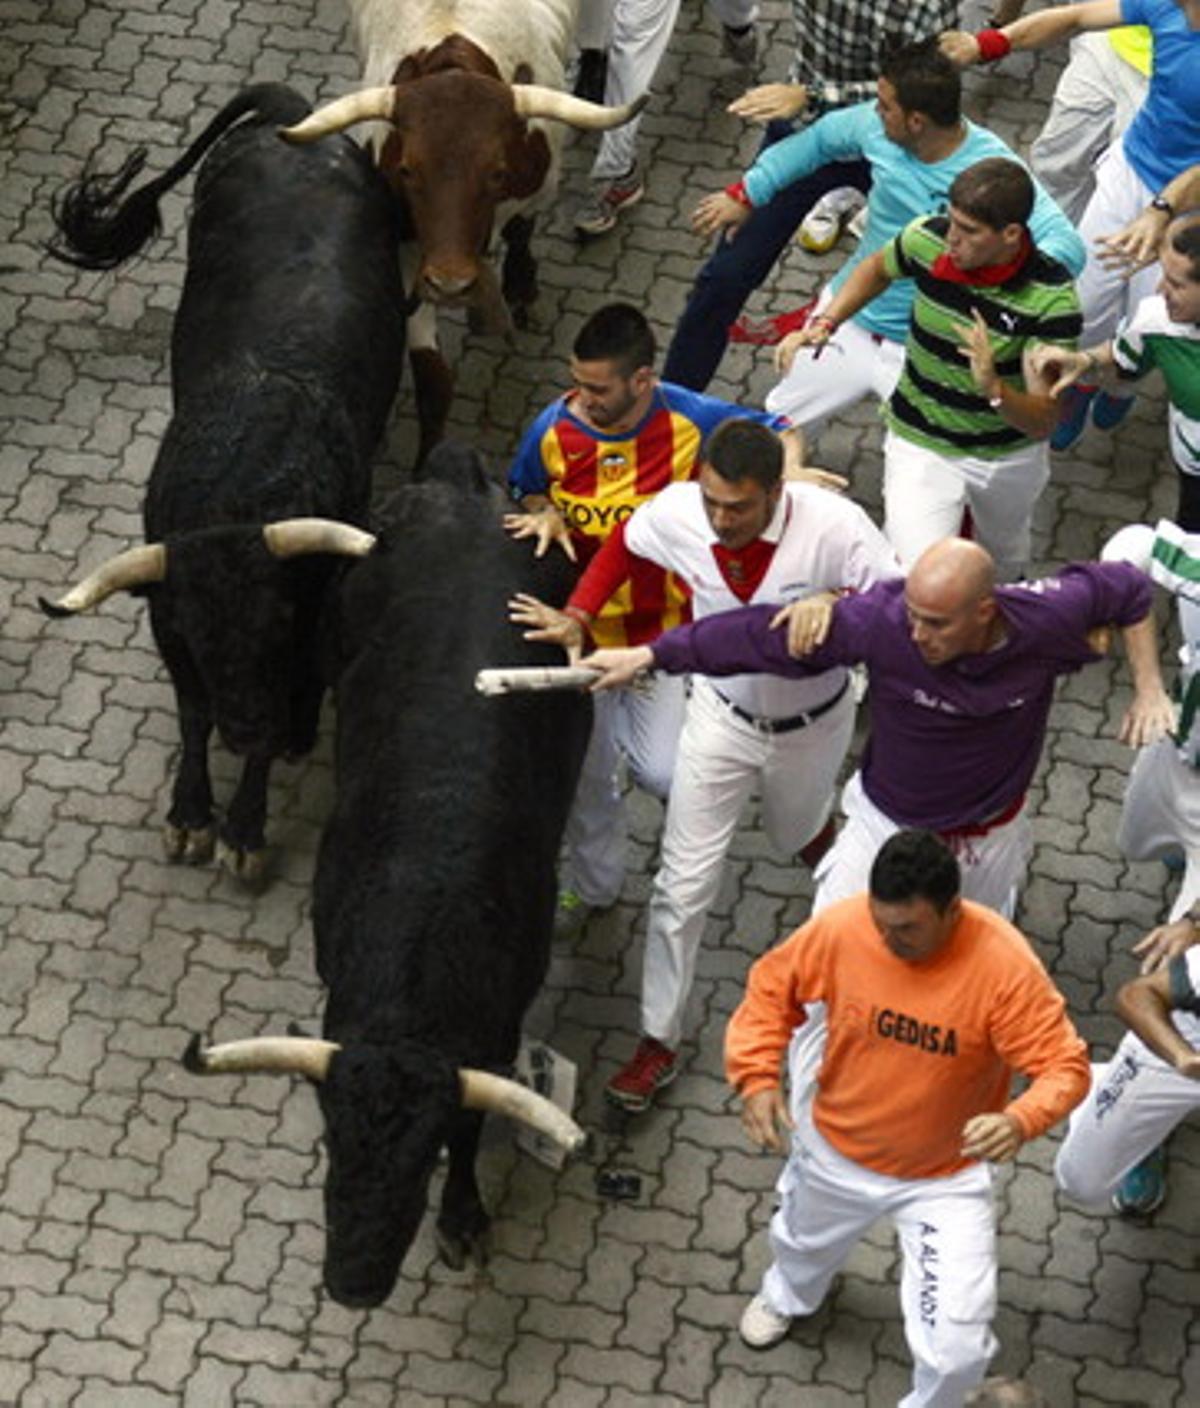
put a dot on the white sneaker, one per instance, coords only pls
(824, 223)
(761, 1327)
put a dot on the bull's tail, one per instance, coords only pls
(98, 228)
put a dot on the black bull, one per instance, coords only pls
(435, 889)
(285, 357)
(435, 886)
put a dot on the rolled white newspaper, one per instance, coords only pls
(517, 678)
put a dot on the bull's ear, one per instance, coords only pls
(527, 174)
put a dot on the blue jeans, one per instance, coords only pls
(736, 267)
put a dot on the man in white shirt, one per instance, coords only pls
(738, 535)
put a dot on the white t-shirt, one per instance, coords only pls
(823, 543)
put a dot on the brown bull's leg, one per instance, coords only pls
(520, 269)
(433, 384)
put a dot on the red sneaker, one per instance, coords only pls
(635, 1085)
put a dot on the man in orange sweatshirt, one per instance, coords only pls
(932, 1002)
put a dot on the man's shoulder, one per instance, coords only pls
(993, 938)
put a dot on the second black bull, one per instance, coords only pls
(285, 357)
(435, 885)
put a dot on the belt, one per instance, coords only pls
(788, 725)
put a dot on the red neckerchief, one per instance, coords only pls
(988, 275)
(744, 569)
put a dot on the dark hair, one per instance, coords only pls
(744, 449)
(925, 81)
(915, 865)
(996, 190)
(618, 333)
(1185, 240)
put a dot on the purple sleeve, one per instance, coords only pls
(742, 642)
(1090, 594)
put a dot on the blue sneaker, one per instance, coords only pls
(1074, 405)
(1144, 1187)
(1109, 411)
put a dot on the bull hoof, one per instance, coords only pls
(458, 1249)
(249, 868)
(189, 845)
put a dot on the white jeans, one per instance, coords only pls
(924, 493)
(1135, 1101)
(721, 758)
(1093, 104)
(1161, 813)
(853, 364)
(993, 865)
(1106, 295)
(947, 1237)
(643, 724)
(641, 31)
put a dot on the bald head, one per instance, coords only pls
(950, 595)
(960, 569)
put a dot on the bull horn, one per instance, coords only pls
(132, 568)
(531, 100)
(287, 1055)
(296, 537)
(367, 105)
(481, 1090)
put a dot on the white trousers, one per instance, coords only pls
(947, 1233)
(1136, 1099)
(993, 866)
(1135, 1102)
(721, 759)
(854, 364)
(641, 31)
(924, 494)
(1093, 104)
(643, 725)
(1107, 295)
(1161, 813)
(594, 25)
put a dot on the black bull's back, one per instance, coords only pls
(450, 805)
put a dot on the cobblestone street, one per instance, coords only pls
(161, 1236)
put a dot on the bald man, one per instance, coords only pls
(962, 675)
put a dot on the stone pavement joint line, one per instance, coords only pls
(162, 1238)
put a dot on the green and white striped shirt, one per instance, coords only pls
(936, 402)
(1149, 339)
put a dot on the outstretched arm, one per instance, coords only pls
(1151, 714)
(1037, 31)
(1146, 1004)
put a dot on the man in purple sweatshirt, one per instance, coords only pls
(962, 675)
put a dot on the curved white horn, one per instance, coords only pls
(481, 1090)
(296, 537)
(367, 105)
(531, 100)
(288, 1055)
(132, 568)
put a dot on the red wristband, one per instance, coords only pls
(737, 192)
(993, 45)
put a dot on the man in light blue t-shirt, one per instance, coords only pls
(916, 142)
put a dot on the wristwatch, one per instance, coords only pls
(1160, 202)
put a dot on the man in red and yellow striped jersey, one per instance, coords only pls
(587, 461)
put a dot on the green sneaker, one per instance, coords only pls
(1144, 1188)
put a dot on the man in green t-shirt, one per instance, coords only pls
(969, 419)
(1163, 331)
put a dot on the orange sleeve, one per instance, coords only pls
(761, 1028)
(1033, 1034)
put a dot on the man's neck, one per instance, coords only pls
(937, 143)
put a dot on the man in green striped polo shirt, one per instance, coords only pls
(969, 419)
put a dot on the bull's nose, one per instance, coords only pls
(444, 284)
